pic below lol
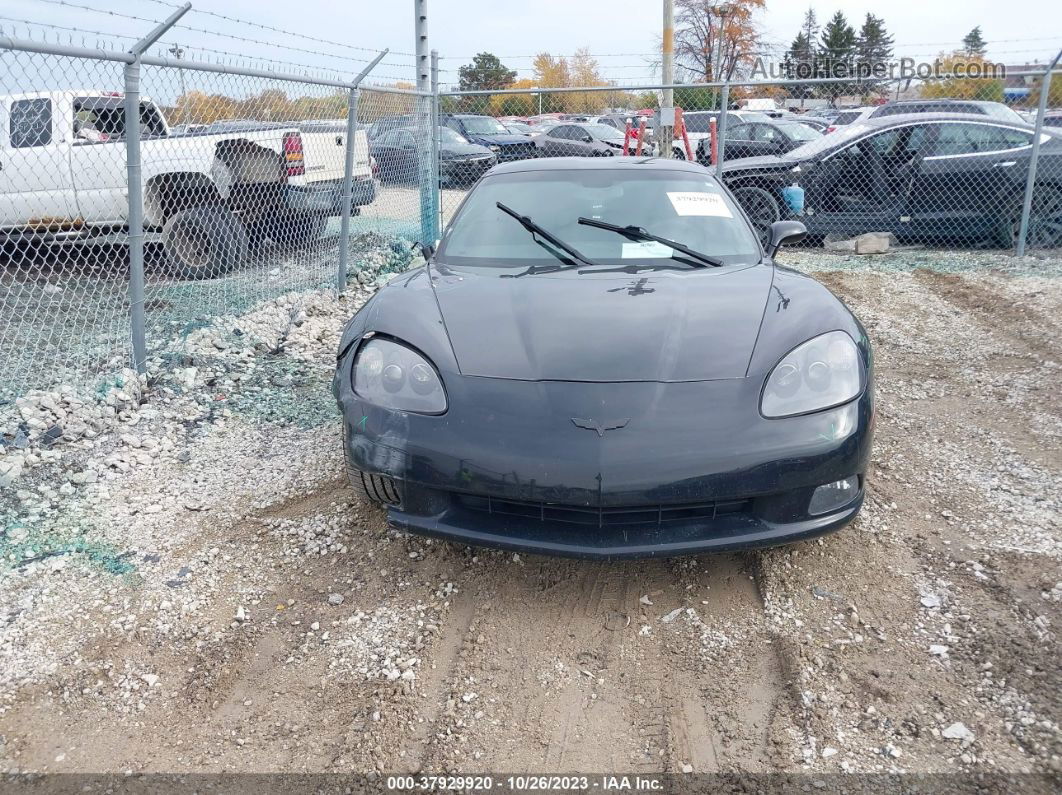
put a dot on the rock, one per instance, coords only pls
(645, 600)
(241, 614)
(930, 600)
(335, 599)
(184, 456)
(687, 767)
(939, 650)
(671, 616)
(873, 243)
(957, 731)
(151, 679)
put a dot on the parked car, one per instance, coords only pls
(579, 140)
(205, 193)
(997, 110)
(460, 163)
(698, 128)
(387, 123)
(846, 117)
(926, 176)
(518, 128)
(488, 131)
(815, 122)
(620, 310)
(1053, 118)
(747, 139)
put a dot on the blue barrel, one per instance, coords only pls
(794, 198)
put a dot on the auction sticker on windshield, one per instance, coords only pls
(646, 249)
(696, 203)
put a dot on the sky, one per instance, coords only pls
(623, 42)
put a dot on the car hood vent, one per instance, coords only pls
(655, 326)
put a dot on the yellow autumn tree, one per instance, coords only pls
(981, 88)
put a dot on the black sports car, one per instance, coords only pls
(600, 360)
(924, 177)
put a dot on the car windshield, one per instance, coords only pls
(798, 132)
(602, 132)
(753, 115)
(831, 141)
(448, 136)
(483, 125)
(847, 117)
(686, 207)
(1002, 112)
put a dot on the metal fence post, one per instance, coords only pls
(721, 128)
(346, 192)
(1030, 181)
(428, 208)
(135, 190)
(435, 176)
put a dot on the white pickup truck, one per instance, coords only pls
(206, 193)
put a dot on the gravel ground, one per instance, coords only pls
(188, 584)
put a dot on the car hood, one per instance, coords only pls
(766, 162)
(500, 139)
(655, 326)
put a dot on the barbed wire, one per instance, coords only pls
(260, 26)
(232, 36)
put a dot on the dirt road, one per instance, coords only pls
(277, 625)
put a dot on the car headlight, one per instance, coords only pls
(396, 377)
(823, 372)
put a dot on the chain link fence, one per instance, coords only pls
(243, 179)
(254, 185)
(933, 171)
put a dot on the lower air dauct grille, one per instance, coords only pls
(603, 517)
(380, 487)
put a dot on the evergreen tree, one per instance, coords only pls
(873, 47)
(837, 47)
(973, 45)
(485, 72)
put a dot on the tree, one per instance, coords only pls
(873, 49)
(584, 72)
(698, 33)
(515, 104)
(837, 47)
(485, 72)
(981, 88)
(551, 72)
(799, 62)
(973, 45)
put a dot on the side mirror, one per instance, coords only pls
(427, 250)
(785, 233)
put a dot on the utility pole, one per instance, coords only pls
(178, 53)
(667, 99)
(724, 94)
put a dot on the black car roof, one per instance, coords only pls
(599, 164)
(925, 118)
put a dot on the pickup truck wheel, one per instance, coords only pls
(204, 242)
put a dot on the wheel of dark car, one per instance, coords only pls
(761, 207)
(204, 242)
(1045, 220)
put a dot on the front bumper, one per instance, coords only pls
(327, 197)
(695, 469)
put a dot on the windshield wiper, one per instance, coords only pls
(638, 233)
(538, 231)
